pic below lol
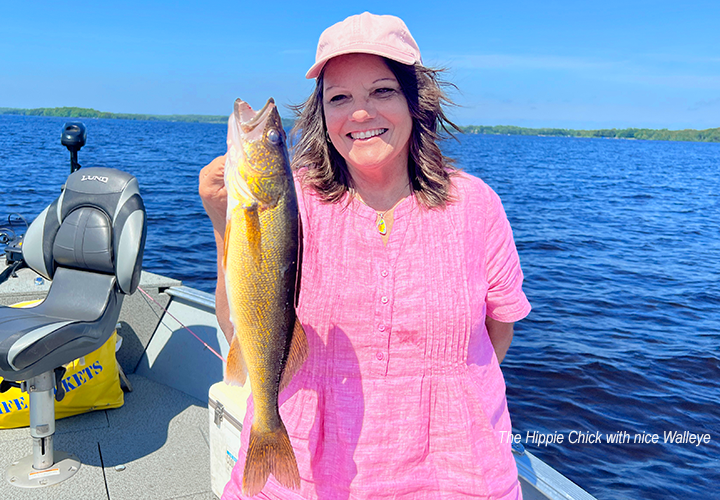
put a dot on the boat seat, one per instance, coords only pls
(89, 243)
(74, 320)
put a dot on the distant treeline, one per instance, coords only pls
(71, 112)
(709, 135)
(68, 112)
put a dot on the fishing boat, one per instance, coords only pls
(170, 353)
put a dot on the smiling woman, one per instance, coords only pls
(410, 287)
(428, 170)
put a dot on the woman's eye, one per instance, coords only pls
(338, 98)
(385, 91)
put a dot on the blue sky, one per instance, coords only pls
(575, 64)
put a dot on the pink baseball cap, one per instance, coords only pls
(366, 33)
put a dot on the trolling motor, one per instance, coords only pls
(74, 136)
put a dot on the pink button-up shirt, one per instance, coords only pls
(402, 396)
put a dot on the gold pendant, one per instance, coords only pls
(381, 225)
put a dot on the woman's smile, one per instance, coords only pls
(368, 134)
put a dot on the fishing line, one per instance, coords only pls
(181, 324)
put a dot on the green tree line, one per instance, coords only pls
(71, 112)
(708, 135)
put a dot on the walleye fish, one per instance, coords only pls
(261, 268)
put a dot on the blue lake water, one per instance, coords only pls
(619, 242)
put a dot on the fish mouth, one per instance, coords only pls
(250, 120)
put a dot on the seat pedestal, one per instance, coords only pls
(45, 466)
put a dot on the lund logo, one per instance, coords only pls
(94, 178)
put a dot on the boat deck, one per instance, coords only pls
(155, 446)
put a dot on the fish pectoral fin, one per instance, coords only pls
(235, 371)
(226, 242)
(297, 355)
(253, 232)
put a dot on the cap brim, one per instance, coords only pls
(317, 68)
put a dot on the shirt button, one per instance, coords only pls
(384, 300)
(384, 274)
(379, 356)
(381, 328)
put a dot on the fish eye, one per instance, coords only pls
(273, 136)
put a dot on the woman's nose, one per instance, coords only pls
(362, 110)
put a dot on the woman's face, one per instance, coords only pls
(366, 114)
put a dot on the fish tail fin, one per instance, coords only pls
(297, 355)
(235, 371)
(269, 452)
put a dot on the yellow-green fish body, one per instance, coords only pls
(261, 265)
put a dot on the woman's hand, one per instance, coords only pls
(213, 193)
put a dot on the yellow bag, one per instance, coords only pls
(91, 382)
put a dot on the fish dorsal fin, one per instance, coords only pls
(297, 355)
(235, 371)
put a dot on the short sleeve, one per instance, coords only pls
(506, 300)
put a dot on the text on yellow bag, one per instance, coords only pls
(91, 382)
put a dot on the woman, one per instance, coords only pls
(410, 288)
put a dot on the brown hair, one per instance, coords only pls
(428, 168)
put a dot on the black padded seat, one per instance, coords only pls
(78, 315)
(90, 243)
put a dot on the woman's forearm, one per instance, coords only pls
(501, 335)
(222, 309)
(214, 197)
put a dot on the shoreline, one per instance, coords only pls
(687, 135)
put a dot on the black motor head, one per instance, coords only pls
(73, 136)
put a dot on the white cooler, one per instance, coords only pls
(227, 405)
